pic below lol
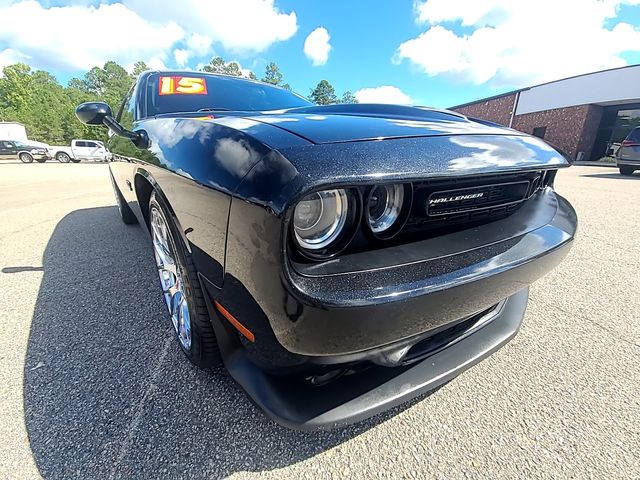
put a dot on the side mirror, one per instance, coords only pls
(99, 113)
(93, 113)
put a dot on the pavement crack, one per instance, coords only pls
(611, 332)
(138, 409)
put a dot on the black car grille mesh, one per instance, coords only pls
(449, 202)
(471, 199)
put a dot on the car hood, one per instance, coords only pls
(31, 146)
(361, 122)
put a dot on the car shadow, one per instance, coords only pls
(108, 393)
(612, 176)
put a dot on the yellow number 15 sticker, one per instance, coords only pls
(182, 86)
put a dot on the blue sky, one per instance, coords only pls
(433, 52)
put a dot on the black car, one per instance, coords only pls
(341, 259)
(16, 149)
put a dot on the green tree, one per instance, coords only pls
(218, 65)
(138, 68)
(34, 99)
(233, 68)
(348, 97)
(47, 109)
(273, 75)
(15, 87)
(72, 127)
(111, 82)
(77, 84)
(252, 76)
(323, 94)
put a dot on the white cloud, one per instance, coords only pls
(78, 37)
(70, 38)
(9, 57)
(156, 63)
(243, 26)
(383, 94)
(317, 46)
(181, 56)
(518, 42)
(199, 44)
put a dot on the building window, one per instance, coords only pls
(539, 132)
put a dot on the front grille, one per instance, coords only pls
(443, 203)
(475, 198)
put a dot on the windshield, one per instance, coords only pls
(171, 93)
(634, 136)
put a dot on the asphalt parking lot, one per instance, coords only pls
(93, 385)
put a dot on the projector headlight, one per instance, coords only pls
(319, 218)
(383, 207)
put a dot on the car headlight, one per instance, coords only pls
(383, 207)
(319, 218)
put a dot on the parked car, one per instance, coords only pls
(27, 153)
(92, 150)
(628, 155)
(341, 259)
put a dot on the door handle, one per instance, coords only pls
(129, 185)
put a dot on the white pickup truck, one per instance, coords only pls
(81, 150)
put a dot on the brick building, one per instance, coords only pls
(587, 116)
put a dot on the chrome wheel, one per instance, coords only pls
(63, 157)
(171, 278)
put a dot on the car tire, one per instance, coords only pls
(63, 157)
(26, 157)
(182, 292)
(126, 214)
(627, 170)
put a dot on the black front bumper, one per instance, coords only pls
(312, 322)
(372, 299)
(352, 398)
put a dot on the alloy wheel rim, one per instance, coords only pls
(171, 279)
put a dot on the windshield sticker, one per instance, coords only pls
(182, 86)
